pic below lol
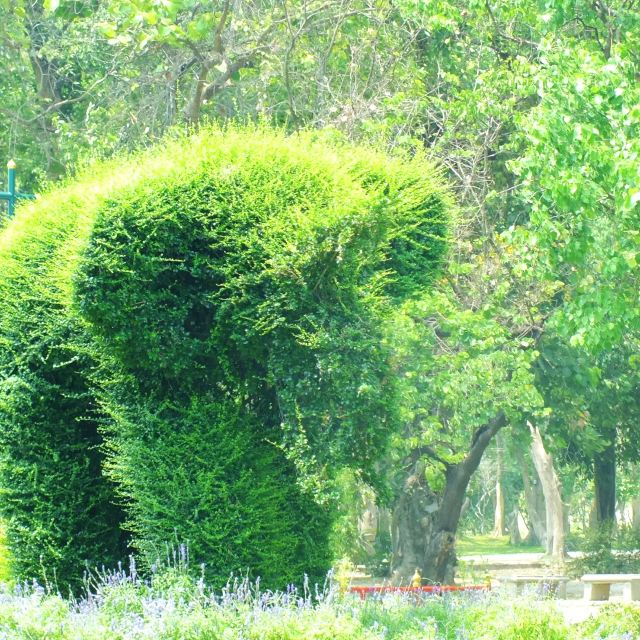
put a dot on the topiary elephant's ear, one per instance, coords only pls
(187, 276)
(147, 276)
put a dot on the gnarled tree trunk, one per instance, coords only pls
(412, 523)
(425, 522)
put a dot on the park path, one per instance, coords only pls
(497, 566)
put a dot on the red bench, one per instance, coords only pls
(436, 589)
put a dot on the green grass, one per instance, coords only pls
(5, 568)
(491, 545)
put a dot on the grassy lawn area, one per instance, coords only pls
(490, 545)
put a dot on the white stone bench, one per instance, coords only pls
(553, 585)
(598, 586)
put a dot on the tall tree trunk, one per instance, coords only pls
(499, 515)
(604, 476)
(543, 462)
(425, 522)
(534, 498)
(514, 530)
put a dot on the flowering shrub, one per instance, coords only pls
(615, 622)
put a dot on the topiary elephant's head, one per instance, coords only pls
(270, 265)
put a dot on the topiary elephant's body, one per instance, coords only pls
(200, 333)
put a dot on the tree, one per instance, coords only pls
(583, 227)
(120, 74)
(465, 380)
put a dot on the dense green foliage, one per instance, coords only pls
(219, 306)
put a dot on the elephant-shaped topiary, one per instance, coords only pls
(194, 342)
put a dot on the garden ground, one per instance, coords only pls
(173, 607)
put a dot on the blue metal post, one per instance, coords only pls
(11, 195)
(11, 187)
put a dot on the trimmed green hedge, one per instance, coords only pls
(57, 503)
(200, 331)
